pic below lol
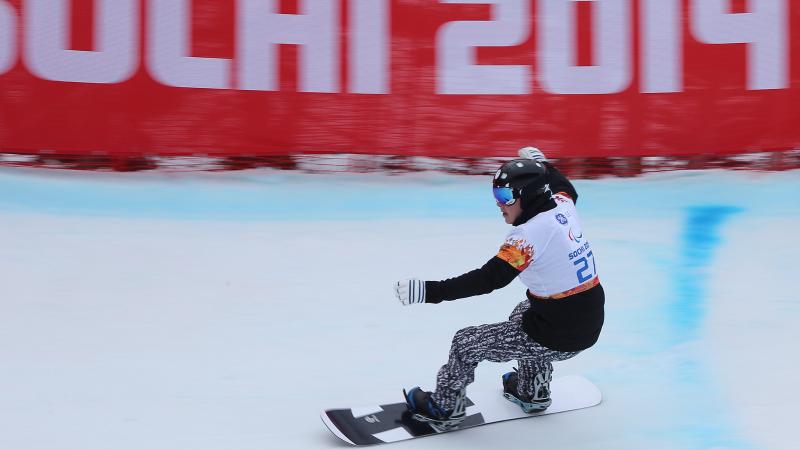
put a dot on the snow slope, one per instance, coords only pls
(226, 310)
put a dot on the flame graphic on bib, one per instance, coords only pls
(516, 252)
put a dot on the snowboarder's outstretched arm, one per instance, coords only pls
(495, 274)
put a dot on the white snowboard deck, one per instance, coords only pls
(568, 393)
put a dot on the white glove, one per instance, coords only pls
(410, 291)
(532, 153)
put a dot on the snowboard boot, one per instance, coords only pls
(424, 409)
(529, 404)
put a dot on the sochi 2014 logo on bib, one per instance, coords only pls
(562, 219)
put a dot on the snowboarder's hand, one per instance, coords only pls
(410, 291)
(531, 153)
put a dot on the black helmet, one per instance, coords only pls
(518, 178)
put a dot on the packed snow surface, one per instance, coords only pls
(225, 311)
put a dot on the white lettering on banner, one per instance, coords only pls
(43, 45)
(8, 34)
(116, 42)
(662, 46)
(458, 71)
(169, 46)
(369, 47)
(261, 28)
(611, 25)
(764, 29)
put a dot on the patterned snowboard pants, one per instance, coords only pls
(499, 342)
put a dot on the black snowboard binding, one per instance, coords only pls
(529, 404)
(424, 409)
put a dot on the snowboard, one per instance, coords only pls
(392, 422)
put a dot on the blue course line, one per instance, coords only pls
(708, 426)
(699, 241)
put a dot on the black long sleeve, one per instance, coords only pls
(495, 274)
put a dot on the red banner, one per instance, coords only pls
(413, 77)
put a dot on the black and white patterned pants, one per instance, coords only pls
(498, 342)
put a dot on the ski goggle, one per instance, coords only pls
(504, 195)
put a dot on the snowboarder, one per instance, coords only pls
(561, 316)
